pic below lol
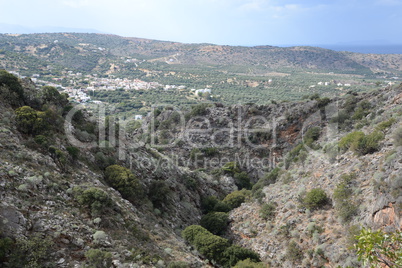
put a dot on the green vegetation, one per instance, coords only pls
(267, 211)
(247, 263)
(343, 197)
(121, 179)
(376, 248)
(360, 143)
(294, 252)
(268, 179)
(215, 222)
(97, 258)
(316, 198)
(93, 198)
(397, 135)
(11, 89)
(236, 198)
(212, 203)
(216, 248)
(30, 252)
(158, 193)
(30, 121)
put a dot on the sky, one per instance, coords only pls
(223, 22)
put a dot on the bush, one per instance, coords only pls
(31, 252)
(294, 252)
(385, 125)
(360, 143)
(311, 135)
(121, 179)
(236, 198)
(199, 109)
(233, 254)
(30, 121)
(5, 247)
(231, 168)
(247, 263)
(215, 222)
(267, 211)
(342, 196)
(95, 199)
(211, 246)
(73, 152)
(369, 143)
(397, 135)
(16, 92)
(158, 193)
(316, 198)
(242, 181)
(97, 258)
(189, 234)
(350, 140)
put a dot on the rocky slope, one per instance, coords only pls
(59, 208)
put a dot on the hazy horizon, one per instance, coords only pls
(223, 22)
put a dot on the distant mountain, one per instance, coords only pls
(18, 29)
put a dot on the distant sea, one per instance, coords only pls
(373, 49)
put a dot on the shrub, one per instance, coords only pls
(397, 135)
(189, 234)
(350, 140)
(360, 143)
(73, 152)
(236, 198)
(369, 143)
(97, 258)
(385, 124)
(199, 109)
(5, 247)
(268, 179)
(242, 180)
(215, 222)
(158, 193)
(31, 252)
(30, 121)
(11, 82)
(208, 203)
(311, 135)
(231, 168)
(211, 246)
(316, 198)
(95, 199)
(233, 254)
(247, 263)
(379, 249)
(342, 196)
(294, 252)
(267, 211)
(121, 179)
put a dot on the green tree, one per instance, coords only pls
(247, 263)
(12, 83)
(97, 258)
(124, 181)
(236, 198)
(376, 248)
(215, 222)
(233, 254)
(30, 121)
(315, 198)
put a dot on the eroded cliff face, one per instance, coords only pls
(183, 154)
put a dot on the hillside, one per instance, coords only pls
(81, 189)
(76, 60)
